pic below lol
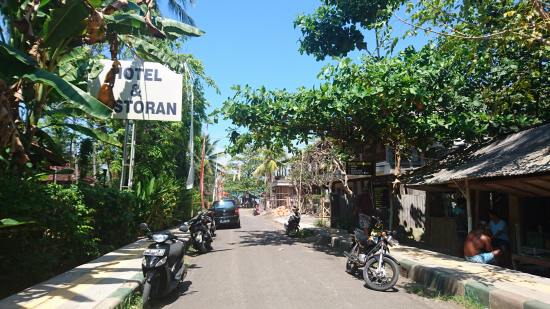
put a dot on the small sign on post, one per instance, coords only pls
(359, 168)
(143, 91)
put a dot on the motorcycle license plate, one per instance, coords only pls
(154, 252)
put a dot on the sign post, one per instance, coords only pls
(359, 168)
(142, 91)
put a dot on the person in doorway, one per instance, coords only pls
(499, 231)
(478, 248)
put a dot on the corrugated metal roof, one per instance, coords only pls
(523, 153)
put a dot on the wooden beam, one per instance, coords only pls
(531, 188)
(541, 183)
(500, 187)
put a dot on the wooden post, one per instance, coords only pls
(468, 206)
(392, 201)
(477, 207)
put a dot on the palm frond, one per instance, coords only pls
(178, 7)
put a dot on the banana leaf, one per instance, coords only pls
(14, 63)
(125, 23)
(96, 134)
(9, 222)
(71, 93)
(175, 29)
(154, 53)
(66, 21)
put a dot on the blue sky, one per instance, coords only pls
(252, 42)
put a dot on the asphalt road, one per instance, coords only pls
(257, 266)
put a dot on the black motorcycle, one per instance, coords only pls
(380, 269)
(163, 266)
(211, 222)
(292, 227)
(201, 236)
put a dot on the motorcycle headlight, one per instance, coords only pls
(160, 237)
(161, 261)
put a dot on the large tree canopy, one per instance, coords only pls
(338, 27)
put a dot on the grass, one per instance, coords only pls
(462, 300)
(321, 223)
(133, 301)
(305, 233)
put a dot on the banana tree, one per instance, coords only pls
(49, 53)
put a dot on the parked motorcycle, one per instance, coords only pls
(163, 264)
(201, 237)
(211, 222)
(380, 269)
(292, 227)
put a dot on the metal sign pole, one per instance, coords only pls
(128, 153)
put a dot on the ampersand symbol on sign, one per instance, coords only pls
(135, 92)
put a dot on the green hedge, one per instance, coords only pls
(70, 226)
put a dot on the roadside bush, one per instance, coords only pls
(66, 226)
(157, 199)
(115, 216)
(58, 235)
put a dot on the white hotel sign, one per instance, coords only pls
(144, 91)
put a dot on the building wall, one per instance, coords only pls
(411, 213)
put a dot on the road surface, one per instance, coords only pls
(257, 266)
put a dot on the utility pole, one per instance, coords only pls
(202, 168)
(215, 190)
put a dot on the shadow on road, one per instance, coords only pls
(269, 238)
(183, 289)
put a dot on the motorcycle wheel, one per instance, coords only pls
(208, 245)
(201, 247)
(293, 232)
(380, 282)
(351, 267)
(146, 295)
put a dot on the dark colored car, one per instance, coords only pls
(226, 212)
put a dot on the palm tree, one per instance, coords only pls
(179, 8)
(270, 163)
(211, 157)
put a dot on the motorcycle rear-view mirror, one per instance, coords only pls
(144, 227)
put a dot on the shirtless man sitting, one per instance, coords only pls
(478, 249)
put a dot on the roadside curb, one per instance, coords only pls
(443, 281)
(446, 282)
(122, 293)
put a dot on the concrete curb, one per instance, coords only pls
(447, 283)
(444, 281)
(122, 293)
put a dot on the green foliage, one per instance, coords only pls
(335, 28)
(323, 223)
(338, 27)
(84, 155)
(52, 51)
(64, 227)
(64, 22)
(239, 176)
(61, 237)
(112, 231)
(416, 99)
